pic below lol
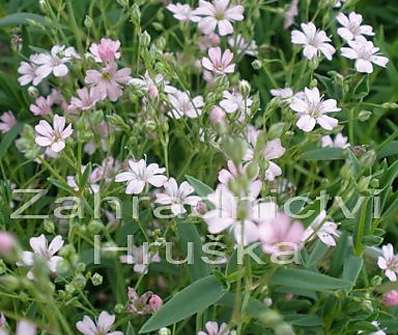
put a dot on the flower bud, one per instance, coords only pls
(256, 64)
(244, 88)
(7, 243)
(252, 170)
(390, 298)
(369, 158)
(376, 281)
(364, 115)
(49, 226)
(164, 331)
(217, 115)
(135, 14)
(97, 279)
(33, 92)
(235, 148)
(390, 105)
(155, 302)
(119, 308)
(88, 22)
(145, 39)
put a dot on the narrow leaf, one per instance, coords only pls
(324, 154)
(195, 298)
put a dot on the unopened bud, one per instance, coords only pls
(33, 92)
(145, 39)
(88, 22)
(164, 331)
(256, 64)
(364, 115)
(217, 115)
(96, 279)
(244, 88)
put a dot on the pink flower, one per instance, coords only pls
(218, 14)
(388, 262)
(177, 196)
(54, 62)
(217, 62)
(183, 12)
(207, 41)
(42, 250)
(273, 150)
(140, 257)
(24, 327)
(183, 105)
(225, 175)
(2, 320)
(147, 303)
(227, 206)
(280, 232)
(313, 41)
(8, 122)
(339, 141)
(42, 106)
(311, 109)
(53, 137)
(245, 47)
(352, 27)
(108, 81)
(365, 55)
(7, 242)
(390, 298)
(87, 98)
(326, 231)
(148, 85)
(217, 115)
(212, 328)
(106, 51)
(235, 102)
(139, 175)
(27, 70)
(155, 302)
(101, 327)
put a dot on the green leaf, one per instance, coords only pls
(9, 138)
(22, 18)
(201, 188)
(302, 320)
(254, 308)
(387, 150)
(363, 224)
(352, 268)
(189, 234)
(308, 280)
(323, 154)
(195, 298)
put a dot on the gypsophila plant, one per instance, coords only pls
(220, 167)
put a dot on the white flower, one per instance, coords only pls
(101, 327)
(312, 109)
(314, 41)
(148, 85)
(235, 102)
(325, 230)
(212, 328)
(177, 196)
(141, 258)
(24, 327)
(389, 262)
(246, 47)
(140, 175)
(379, 331)
(352, 27)
(339, 141)
(285, 94)
(273, 150)
(339, 3)
(54, 62)
(225, 214)
(364, 53)
(27, 70)
(53, 137)
(42, 250)
(183, 105)
(183, 12)
(220, 14)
